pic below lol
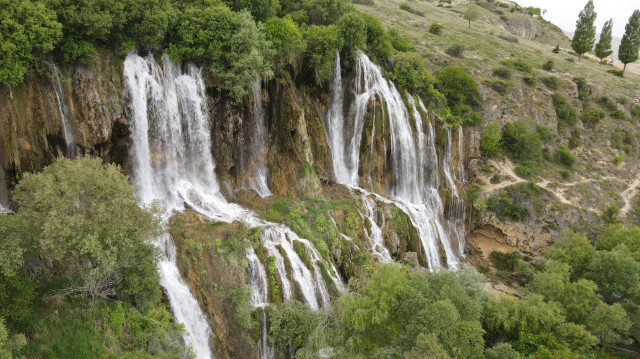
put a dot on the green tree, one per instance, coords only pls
(630, 45)
(459, 88)
(410, 74)
(322, 44)
(575, 250)
(378, 44)
(353, 29)
(603, 47)
(9, 344)
(617, 274)
(427, 346)
(84, 217)
(521, 141)
(617, 234)
(286, 39)
(27, 31)
(490, 143)
(610, 324)
(585, 34)
(471, 14)
(502, 351)
(291, 325)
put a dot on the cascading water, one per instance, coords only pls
(173, 165)
(259, 146)
(67, 130)
(4, 193)
(414, 184)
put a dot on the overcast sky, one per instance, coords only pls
(564, 13)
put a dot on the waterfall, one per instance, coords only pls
(414, 162)
(4, 193)
(67, 130)
(173, 165)
(259, 145)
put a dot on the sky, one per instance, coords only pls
(564, 13)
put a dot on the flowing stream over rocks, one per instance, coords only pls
(415, 178)
(67, 130)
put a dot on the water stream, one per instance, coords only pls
(259, 138)
(57, 79)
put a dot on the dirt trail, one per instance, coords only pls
(506, 167)
(628, 194)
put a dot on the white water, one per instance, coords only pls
(414, 184)
(259, 146)
(67, 130)
(173, 165)
(4, 193)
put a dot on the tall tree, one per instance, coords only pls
(630, 45)
(472, 14)
(585, 35)
(603, 47)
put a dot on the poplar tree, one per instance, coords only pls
(630, 45)
(585, 35)
(603, 47)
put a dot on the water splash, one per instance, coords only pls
(63, 109)
(415, 178)
(259, 145)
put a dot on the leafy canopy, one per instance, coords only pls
(630, 45)
(603, 47)
(585, 34)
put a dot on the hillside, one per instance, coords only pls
(381, 178)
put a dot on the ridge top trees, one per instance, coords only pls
(630, 45)
(603, 47)
(585, 35)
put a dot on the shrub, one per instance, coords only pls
(556, 49)
(551, 82)
(490, 142)
(504, 261)
(522, 142)
(502, 71)
(635, 111)
(618, 114)
(607, 103)
(436, 28)
(286, 39)
(496, 178)
(571, 59)
(406, 7)
(504, 207)
(544, 132)
(473, 120)
(591, 116)
(378, 44)
(530, 80)
(455, 50)
(322, 43)
(566, 113)
(518, 64)
(548, 65)
(364, 2)
(410, 74)
(400, 42)
(353, 30)
(509, 38)
(460, 89)
(565, 157)
(616, 72)
(501, 87)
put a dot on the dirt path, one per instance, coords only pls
(628, 194)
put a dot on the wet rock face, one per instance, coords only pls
(31, 133)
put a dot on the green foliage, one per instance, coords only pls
(259, 9)
(565, 157)
(521, 142)
(591, 116)
(378, 44)
(436, 28)
(502, 351)
(606, 269)
(603, 47)
(9, 344)
(406, 7)
(274, 287)
(427, 346)
(231, 45)
(617, 234)
(567, 114)
(610, 324)
(518, 64)
(610, 214)
(472, 13)
(410, 74)
(551, 82)
(353, 31)
(575, 250)
(501, 87)
(27, 30)
(68, 212)
(548, 65)
(630, 44)
(505, 207)
(459, 88)
(512, 318)
(286, 39)
(502, 72)
(291, 325)
(322, 43)
(504, 261)
(585, 35)
(455, 50)
(401, 42)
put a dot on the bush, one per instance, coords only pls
(353, 30)
(401, 42)
(607, 103)
(616, 72)
(501, 87)
(618, 114)
(565, 157)
(286, 39)
(322, 43)
(406, 7)
(556, 49)
(505, 261)
(545, 133)
(473, 120)
(523, 143)
(490, 143)
(566, 113)
(530, 80)
(509, 38)
(410, 74)
(436, 28)
(378, 44)
(502, 71)
(551, 82)
(591, 116)
(635, 111)
(548, 65)
(518, 64)
(460, 89)
(504, 207)
(27, 29)
(455, 50)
